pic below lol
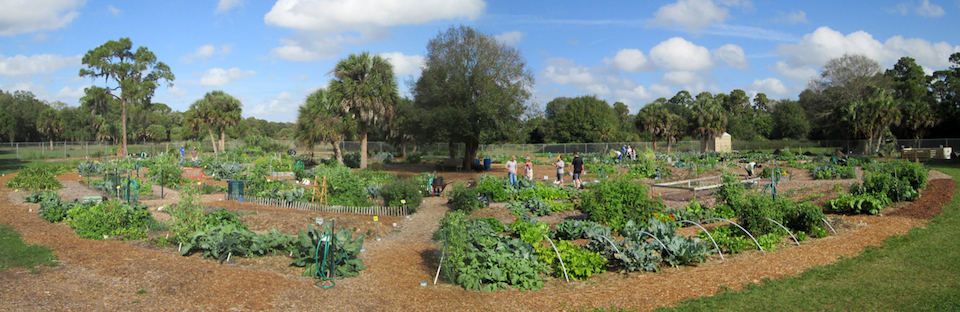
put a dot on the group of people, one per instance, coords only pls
(576, 166)
(194, 153)
(626, 152)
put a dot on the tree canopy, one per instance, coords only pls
(364, 86)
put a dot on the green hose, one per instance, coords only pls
(322, 271)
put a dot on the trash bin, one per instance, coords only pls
(486, 164)
(235, 190)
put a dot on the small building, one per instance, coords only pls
(722, 143)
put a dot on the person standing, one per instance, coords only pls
(512, 170)
(559, 164)
(577, 164)
(182, 152)
(194, 153)
(528, 169)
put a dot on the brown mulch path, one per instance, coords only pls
(106, 275)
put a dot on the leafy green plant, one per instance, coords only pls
(857, 203)
(464, 199)
(615, 201)
(38, 176)
(831, 171)
(530, 206)
(272, 242)
(495, 224)
(407, 190)
(493, 186)
(223, 170)
(219, 241)
(90, 168)
(579, 263)
(577, 229)
(729, 238)
(340, 256)
(478, 258)
(109, 219)
(769, 241)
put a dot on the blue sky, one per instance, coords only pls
(271, 55)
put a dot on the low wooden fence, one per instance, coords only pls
(373, 210)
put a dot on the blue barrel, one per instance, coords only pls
(486, 163)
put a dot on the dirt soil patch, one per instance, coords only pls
(115, 275)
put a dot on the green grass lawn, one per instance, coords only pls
(919, 271)
(14, 253)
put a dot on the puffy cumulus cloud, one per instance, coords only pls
(733, 55)
(800, 74)
(206, 51)
(404, 65)
(69, 93)
(510, 38)
(924, 8)
(768, 86)
(21, 65)
(692, 15)
(333, 16)
(23, 16)
(629, 60)
(308, 49)
(678, 54)
(816, 48)
(564, 72)
(679, 78)
(224, 6)
(282, 108)
(216, 77)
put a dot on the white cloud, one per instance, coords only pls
(629, 60)
(404, 65)
(177, 91)
(768, 86)
(303, 77)
(924, 8)
(334, 16)
(823, 44)
(114, 10)
(679, 78)
(282, 107)
(206, 51)
(733, 55)
(21, 65)
(510, 38)
(799, 74)
(223, 6)
(690, 14)
(218, 76)
(25, 16)
(564, 72)
(41, 37)
(640, 93)
(796, 17)
(324, 22)
(67, 92)
(678, 54)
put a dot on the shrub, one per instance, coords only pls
(263, 143)
(857, 203)
(464, 199)
(223, 170)
(38, 176)
(110, 218)
(493, 186)
(577, 229)
(579, 263)
(344, 187)
(530, 206)
(615, 201)
(405, 189)
(731, 192)
(167, 174)
(90, 168)
(413, 158)
(352, 160)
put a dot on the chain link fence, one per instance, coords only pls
(43, 150)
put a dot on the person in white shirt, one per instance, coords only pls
(512, 170)
(559, 164)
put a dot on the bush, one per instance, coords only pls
(352, 160)
(615, 201)
(263, 143)
(405, 189)
(90, 168)
(110, 218)
(39, 176)
(167, 174)
(493, 186)
(577, 229)
(344, 187)
(857, 203)
(413, 158)
(464, 199)
(530, 206)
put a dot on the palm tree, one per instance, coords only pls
(49, 124)
(199, 115)
(708, 119)
(659, 121)
(224, 112)
(364, 86)
(319, 120)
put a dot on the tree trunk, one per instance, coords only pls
(213, 140)
(222, 139)
(403, 148)
(452, 151)
(470, 153)
(655, 145)
(337, 152)
(363, 146)
(123, 120)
